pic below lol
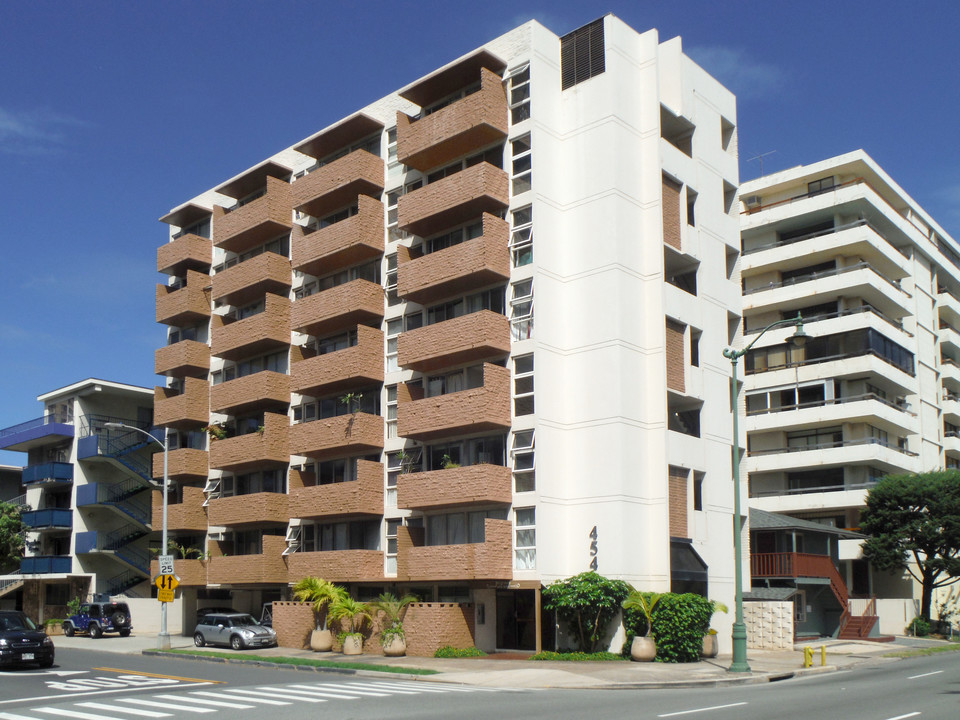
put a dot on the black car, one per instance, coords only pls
(21, 642)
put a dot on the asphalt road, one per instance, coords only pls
(92, 685)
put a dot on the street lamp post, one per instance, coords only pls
(739, 635)
(163, 638)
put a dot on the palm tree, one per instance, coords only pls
(356, 613)
(321, 594)
(394, 610)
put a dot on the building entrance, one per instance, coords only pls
(516, 620)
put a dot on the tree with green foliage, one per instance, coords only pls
(587, 603)
(11, 535)
(913, 524)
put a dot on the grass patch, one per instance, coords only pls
(578, 656)
(923, 652)
(280, 660)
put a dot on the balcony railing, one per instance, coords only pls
(46, 564)
(48, 518)
(817, 234)
(483, 335)
(902, 407)
(800, 279)
(33, 432)
(842, 313)
(797, 565)
(790, 364)
(813, 489)
(352, 241)
(831, 445)
(57, 472)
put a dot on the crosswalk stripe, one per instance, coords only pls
(215, 703)
(74, 714)
(131, 711)
(227, 696)
(407, 689)
(276, 694)
(165, 705)
(14, 716)
(340, 687)
(315, 693)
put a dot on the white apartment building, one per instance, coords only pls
(88, 513)
(492, 307)
(875, 389)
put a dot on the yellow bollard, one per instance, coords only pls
(807, 656)
(823, 655)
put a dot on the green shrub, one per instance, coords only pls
(919, 627)
(586, 603)
(577, 656)
(449, 651)
(679, 624)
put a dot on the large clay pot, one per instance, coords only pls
(643, 649)
(321, 641)
(394, 646)
(711, 648)
(353, 645)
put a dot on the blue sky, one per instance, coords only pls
(111, 113)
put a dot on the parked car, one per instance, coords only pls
(203, 612)
(97, 618)
(21, 641)
(235, 630)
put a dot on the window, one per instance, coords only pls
(465, 379)
(459, 528)
(695, 347)
(327, 537)
(487, 300)
(493, 156)
(451, 98)
(521, 310)
(392, 525)
(821, 186)
(274, 362)
(816, 438)
(201, 228)
(698, 491)
(522, 171)
(581, 54)
(390, 280)
(488, 450)
(519, 81)
(391, 411)
(305, 290)
(393, 202)
(521, 454)
(800, 606)
(454, 237)
(261, 481)
(394, 166)
(369, 271)
(394, 328)
(523, 385)
(521, 237)
(525, 534)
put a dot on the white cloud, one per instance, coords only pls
(740, 73)
(33, 132)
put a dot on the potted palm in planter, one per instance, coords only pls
(643, 648)
(357, 615)
(321, 594)
(711, 648)
(393, 640)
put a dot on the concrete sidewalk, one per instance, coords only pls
(766, 665)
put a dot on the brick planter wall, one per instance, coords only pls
(293, 622)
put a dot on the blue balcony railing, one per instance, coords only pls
(48, 472)
(48, 518)
(28, 434)
(39, 564)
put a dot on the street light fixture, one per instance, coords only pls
(163, 638)
(739, 635)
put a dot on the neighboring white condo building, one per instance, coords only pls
(875, 389)
(87, 514)
(467, 340)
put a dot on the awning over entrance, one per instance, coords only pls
(688, 571)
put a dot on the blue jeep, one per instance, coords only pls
(97, 618)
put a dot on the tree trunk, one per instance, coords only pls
(926, 598)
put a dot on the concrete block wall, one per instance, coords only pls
(769, 624)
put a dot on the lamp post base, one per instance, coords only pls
(739, 664)
(163, 641)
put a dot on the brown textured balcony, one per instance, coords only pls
(257, 221)
(256, 449)
(184, 305)
(491, 559)
(355, 240)
(356, 498)
(192, 573)
(337, 565)
(254, 335)
(477, 410)
(454, 199)
(186, 516)
(460, 268)
(353, 434)
(466, 125)
(358, 302)
(246, 281)
(185, 358)
(357, 366)
(189, 408)
(183, 464)
(483, 335)
(265, 390)
(266, 567)
(187, 252)
(252, 509)
(454, 487)
(337, 184)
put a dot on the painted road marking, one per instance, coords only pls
(176, 700)
(901, 717)
(311, 694)
(160, 675)
(276, 694)
(935, 672)
(130, 711)
(164, 705)
(12, 716)
(64, 696)
(405, 689)
(340, 687)
(706, 709)
(226, 696)
(75, 714)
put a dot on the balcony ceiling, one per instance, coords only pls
(253, 179)
(186, 214)
(346, 132)
(451, 78)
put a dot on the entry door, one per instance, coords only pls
(516, 620)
